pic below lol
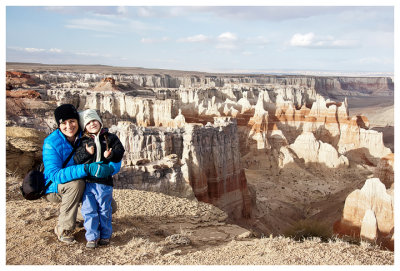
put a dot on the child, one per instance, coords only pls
(97, 145)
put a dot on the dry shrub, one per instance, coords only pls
(178, 239)
(13, 182)
(305, 229)
(181, 238)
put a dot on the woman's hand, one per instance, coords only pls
(99, 170)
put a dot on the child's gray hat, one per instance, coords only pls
(88, 115)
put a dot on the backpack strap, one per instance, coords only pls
(45, 188)
(70, 155)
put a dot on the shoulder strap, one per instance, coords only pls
(70, 155)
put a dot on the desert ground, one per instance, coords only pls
(155, 229)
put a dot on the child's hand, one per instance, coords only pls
(107, 153)
(90, 149)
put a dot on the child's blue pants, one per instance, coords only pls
(96, 211)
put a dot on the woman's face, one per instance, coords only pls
(93, 127)
(69, 128)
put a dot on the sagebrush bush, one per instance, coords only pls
(304, 229)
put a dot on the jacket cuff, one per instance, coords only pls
(86, 169)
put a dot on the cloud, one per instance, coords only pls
(196, 38)
(302, 40)
(55, 50)
(122, 10)
(140, 26)
(268, 13)
(92, 54)
(94, 10)
(162, 12)
(258, 40)
(103, 36)
(227, 46)
(227, 40)
(86, 54)
(247, 53)
(93, 25)
(150, 40)
(33, 50)
(227, 37)
(145, 12)
(310, 40)
(36, 50)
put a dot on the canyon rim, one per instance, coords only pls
(266, 151)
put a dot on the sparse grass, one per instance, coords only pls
(306, 229)
(178, 239)
(11, 174)
(181, 238)
(13, 182)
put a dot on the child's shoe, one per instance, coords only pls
(92, 244)
(104, 242)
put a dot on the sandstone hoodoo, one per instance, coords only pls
(369, 213)
(106, 84)
(268, 150)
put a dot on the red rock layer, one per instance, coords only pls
(18, 79)
(31, 94)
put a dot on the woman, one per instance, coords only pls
(67, 184)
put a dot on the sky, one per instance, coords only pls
(205, 38)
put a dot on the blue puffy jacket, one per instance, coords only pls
(56, 149)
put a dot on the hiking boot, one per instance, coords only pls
(91, 244)
(104, 242)
(66, 236)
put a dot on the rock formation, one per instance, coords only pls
(19, 79)
(195, 134)
(326, 85)
(369, 227)
(106, 84)
(385, 171)
(163, 176)
(212, 158)
(267, 117)
(366, 209)
(24, 149)
(315, 151)
(327, 120)
(210, 162)
(30, 112)
(31, 94)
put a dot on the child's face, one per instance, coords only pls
(93, 127)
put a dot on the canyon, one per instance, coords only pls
(269, 150)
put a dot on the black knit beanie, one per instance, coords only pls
(65, 112)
